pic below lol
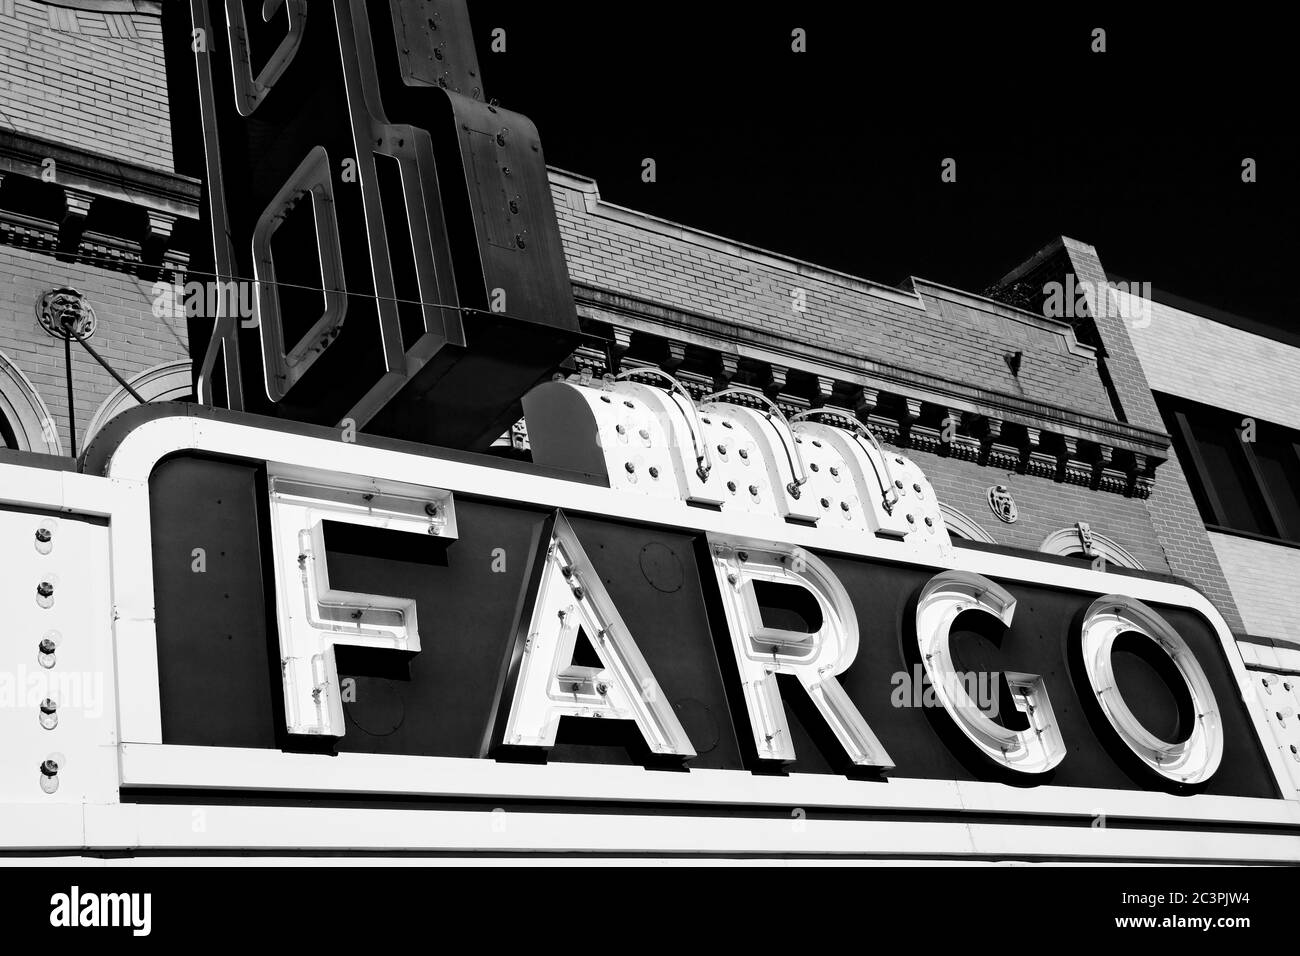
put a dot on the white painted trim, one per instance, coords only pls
(1066, 542)
(964, 525)
(170, 766)
(166, 382)
(22, 408)
(133, 827)
(135, 458)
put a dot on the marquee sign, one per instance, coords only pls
(301, 616)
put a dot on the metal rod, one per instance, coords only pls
(111, 371)
(72, 411)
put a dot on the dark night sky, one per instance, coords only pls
(834, 155)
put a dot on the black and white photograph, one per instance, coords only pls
(484, 434)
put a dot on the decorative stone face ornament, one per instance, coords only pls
(1085, 537)
(1003, 505)
(64, 313)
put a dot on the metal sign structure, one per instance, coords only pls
(563, 662)
(398, 230)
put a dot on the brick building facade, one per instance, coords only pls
(88, 200)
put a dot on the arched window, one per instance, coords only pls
(169, 382)
(25, 422)
(1082, 542)
(961, 526)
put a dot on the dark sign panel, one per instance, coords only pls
(399, 230)
(219, 664)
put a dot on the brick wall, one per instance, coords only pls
(1044, 507)
(1194, 357)
(1130, 382)
(926, 328)
(1264, 578)
(87, 79)
(1182, 536)
(128, 334)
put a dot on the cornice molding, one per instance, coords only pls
(101, 176)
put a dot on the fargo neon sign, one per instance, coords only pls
(564, 598)
(688, 668)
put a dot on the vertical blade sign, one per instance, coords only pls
(399, 232)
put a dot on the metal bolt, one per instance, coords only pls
(50, 767)
(43, 535)
(753, 490)
(629, 467)
(654, 472)
(45, 589)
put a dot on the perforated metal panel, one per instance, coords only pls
(1280, 695)
(651, 440)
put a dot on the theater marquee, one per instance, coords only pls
(697, 653)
